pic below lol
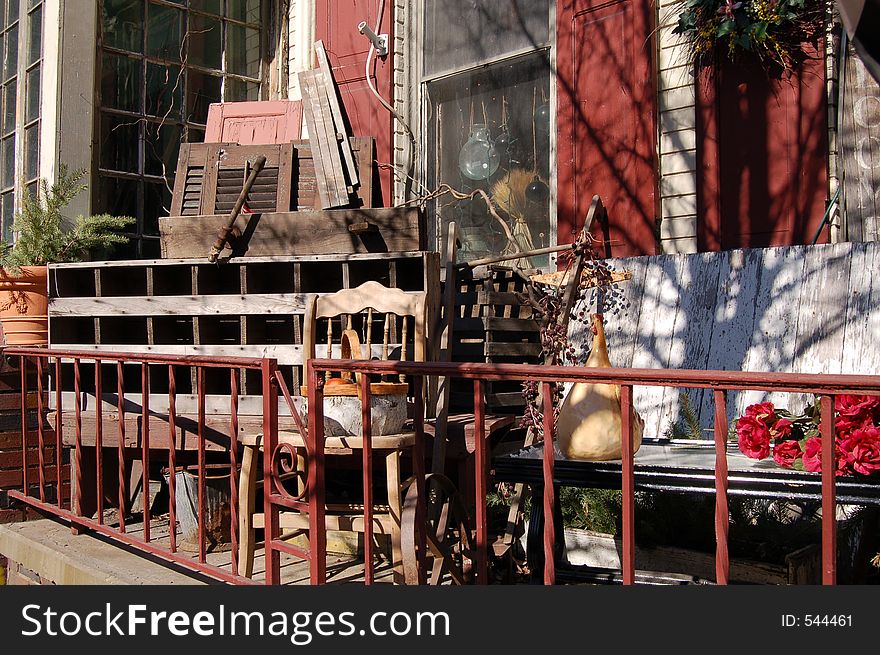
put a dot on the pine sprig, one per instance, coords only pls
(45, 235)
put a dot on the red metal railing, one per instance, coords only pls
(140, 437)
(826, 386)
(137, 436)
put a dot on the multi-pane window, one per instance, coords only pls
(21, 51)
(487, 87)
(162, 63)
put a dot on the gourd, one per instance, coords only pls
(589, 423)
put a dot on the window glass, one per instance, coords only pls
(162, 144)
(118, 135)
(210, 6)
(461, 33)
(237, 90)
(245, 10)
(123, 24)
(8, 148)
(35, 40)
(205, 42)
(32, 109)
(32, 152)
(121, 83)
(180, 56)
(164, 90)
(490, 130)
(10, 92)
(10, 60)
(243, 50)
(164, 28)
(202, 90)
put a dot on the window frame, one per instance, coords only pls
(179, 115)
(435, 223)
(21, 182)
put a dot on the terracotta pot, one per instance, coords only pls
(24, 306)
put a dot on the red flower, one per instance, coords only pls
(787, 453)
(813, 458)
(862, 450)
(857, 409)
(760, 411)
(813, 455)
(781, 429)
(753, 437)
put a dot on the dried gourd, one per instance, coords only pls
(589, 423)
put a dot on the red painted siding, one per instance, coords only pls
(337, 26)
(606, 119)
(762, 156)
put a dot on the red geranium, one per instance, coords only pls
(753, 437)
(862, 450)
(787, 453)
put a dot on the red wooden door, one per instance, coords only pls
(762, 156)
(606, 119)
(337, 26)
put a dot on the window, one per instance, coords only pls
(487, 88)
(21, 51)
(162, 63)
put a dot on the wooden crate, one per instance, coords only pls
(340, 231)
(492, 325)
(249, 307)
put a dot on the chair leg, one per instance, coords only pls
(247, 492)
(395, 503)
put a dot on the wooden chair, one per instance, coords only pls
(346, 318)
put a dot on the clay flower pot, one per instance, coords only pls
(24, 306)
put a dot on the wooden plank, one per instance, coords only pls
(330, 136)
(215, 405)
(494, 349)
(209, 182)
(320, 158)
(821, 314)
(860, 150)
(862, 324)
(180, 179)
(282, 304)
(10, 401)
(60, 269)
(734, 317)
(336, 111)
(331, 178)
(11, 440)
(693, 334)
(772, 341)
(655, 334)
(301, 233)
(286, 354)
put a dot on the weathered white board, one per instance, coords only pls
(799, 309)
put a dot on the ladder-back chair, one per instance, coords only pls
(369, 321)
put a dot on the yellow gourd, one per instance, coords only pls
(589, 426)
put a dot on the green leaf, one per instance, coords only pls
(759, 30)
(725, 28)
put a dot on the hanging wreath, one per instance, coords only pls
(774, 31)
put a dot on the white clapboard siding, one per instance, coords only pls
(796, 309)
(677, 129)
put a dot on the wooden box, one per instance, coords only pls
(250, 307)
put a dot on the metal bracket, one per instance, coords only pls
(379, 41)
